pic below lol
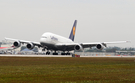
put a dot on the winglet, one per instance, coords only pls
(72, 34)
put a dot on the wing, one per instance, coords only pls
(80, 46)
(85, 45)
(24, 41)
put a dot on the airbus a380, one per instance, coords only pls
(56, 43)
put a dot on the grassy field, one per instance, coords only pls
(67, 70)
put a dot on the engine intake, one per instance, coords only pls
(100, 46)
(30, 46)
(78, 47)
(17, 44)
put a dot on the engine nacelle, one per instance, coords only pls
(30, 46)
(17, 44)
(78, 47)
(100, 46)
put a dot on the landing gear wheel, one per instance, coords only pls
(47, 53)
(55, 53)
(67, 53)
(62, 53)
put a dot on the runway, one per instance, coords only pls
(2, 55)
(36, 55)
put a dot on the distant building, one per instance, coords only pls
(0, 44)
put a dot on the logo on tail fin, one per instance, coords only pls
(74, 31)
(72, 34)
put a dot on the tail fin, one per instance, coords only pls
(72, 34)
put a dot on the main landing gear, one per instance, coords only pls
(65, 53)
(55, 53)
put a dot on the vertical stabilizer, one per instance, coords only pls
(72, 34)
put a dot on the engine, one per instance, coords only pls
(17, 44)
(30, 46)
(100, 46)
(78, 47)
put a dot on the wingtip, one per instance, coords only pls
(128, 41)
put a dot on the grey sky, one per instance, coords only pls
(98, 20)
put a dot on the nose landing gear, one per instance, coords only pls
(47, 53)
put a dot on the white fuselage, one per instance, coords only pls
(50, 40)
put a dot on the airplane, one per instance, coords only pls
(4, 49)
(7, 48)
(54, 42)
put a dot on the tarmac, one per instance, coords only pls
(8, 55)
(35, 55)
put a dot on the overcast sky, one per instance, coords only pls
(98, 20)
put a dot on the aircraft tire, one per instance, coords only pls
(47, 53)
(55, 53)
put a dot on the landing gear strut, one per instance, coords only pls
(43, 49)
(55, 53)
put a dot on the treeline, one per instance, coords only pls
(110, 49)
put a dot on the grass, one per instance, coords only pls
(66, 70)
